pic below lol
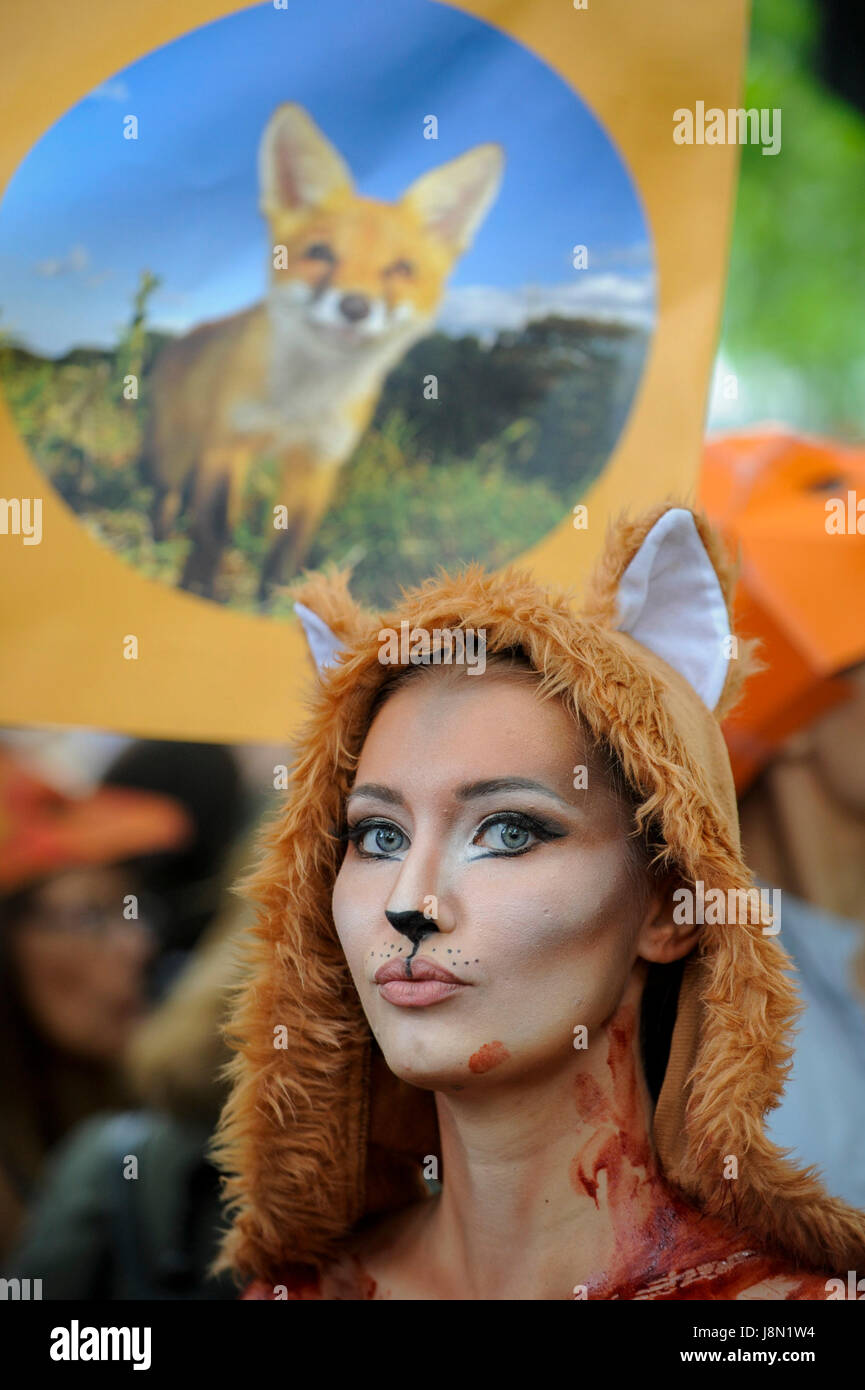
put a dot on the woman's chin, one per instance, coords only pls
(429, 1073)
(431, 1063)
(447, 1064)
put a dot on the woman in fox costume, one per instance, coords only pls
(472, 962)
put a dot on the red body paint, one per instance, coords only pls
(487, 1057)
(664, 1248)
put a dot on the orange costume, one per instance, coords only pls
(319, 1134)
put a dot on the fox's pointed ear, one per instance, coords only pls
(453, 199)
(323, 644)
(298, 167)
(670, 599)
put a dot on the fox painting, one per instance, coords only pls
(354, 283)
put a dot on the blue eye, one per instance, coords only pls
(377, 839)
(386, 838)
(508, 834)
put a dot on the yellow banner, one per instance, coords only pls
(390, 286)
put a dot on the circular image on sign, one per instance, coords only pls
(346, 284)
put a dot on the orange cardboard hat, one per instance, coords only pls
(789, 506)
(43, 830)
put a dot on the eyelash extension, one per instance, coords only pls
(543, 829)
(355, 833)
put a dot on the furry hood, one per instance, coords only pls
(317, 1131)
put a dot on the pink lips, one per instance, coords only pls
(427, 984)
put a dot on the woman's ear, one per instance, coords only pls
(661, 938)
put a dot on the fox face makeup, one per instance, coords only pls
(464, 809)
(455, 940)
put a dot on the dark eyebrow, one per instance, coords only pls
(468, 792)
(381, 793)
(508, 784)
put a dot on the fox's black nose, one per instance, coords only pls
(415, 926)
(354, 307)
(412, 924)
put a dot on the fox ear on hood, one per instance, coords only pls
(666, 583)
(330, 617)
(670, 599)
(324, 644)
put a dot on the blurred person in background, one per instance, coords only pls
(190, 883)
(797, 745)
(76, 940)
(130, 1207)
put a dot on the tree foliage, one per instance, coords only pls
(794, 326)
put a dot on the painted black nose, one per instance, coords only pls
(412, 924)
(354, 307)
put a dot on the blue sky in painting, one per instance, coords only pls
(88, 210)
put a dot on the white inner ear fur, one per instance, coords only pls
(670, 599)
(323, 643)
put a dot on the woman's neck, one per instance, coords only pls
(554, 1187)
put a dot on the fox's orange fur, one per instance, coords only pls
(354, 283)
(318, 1133)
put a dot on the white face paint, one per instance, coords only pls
(531, 887)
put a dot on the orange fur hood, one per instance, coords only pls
(317, 1131)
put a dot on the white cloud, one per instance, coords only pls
(98, 278)
(606, 298)
(110, 91)
(76, 261)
